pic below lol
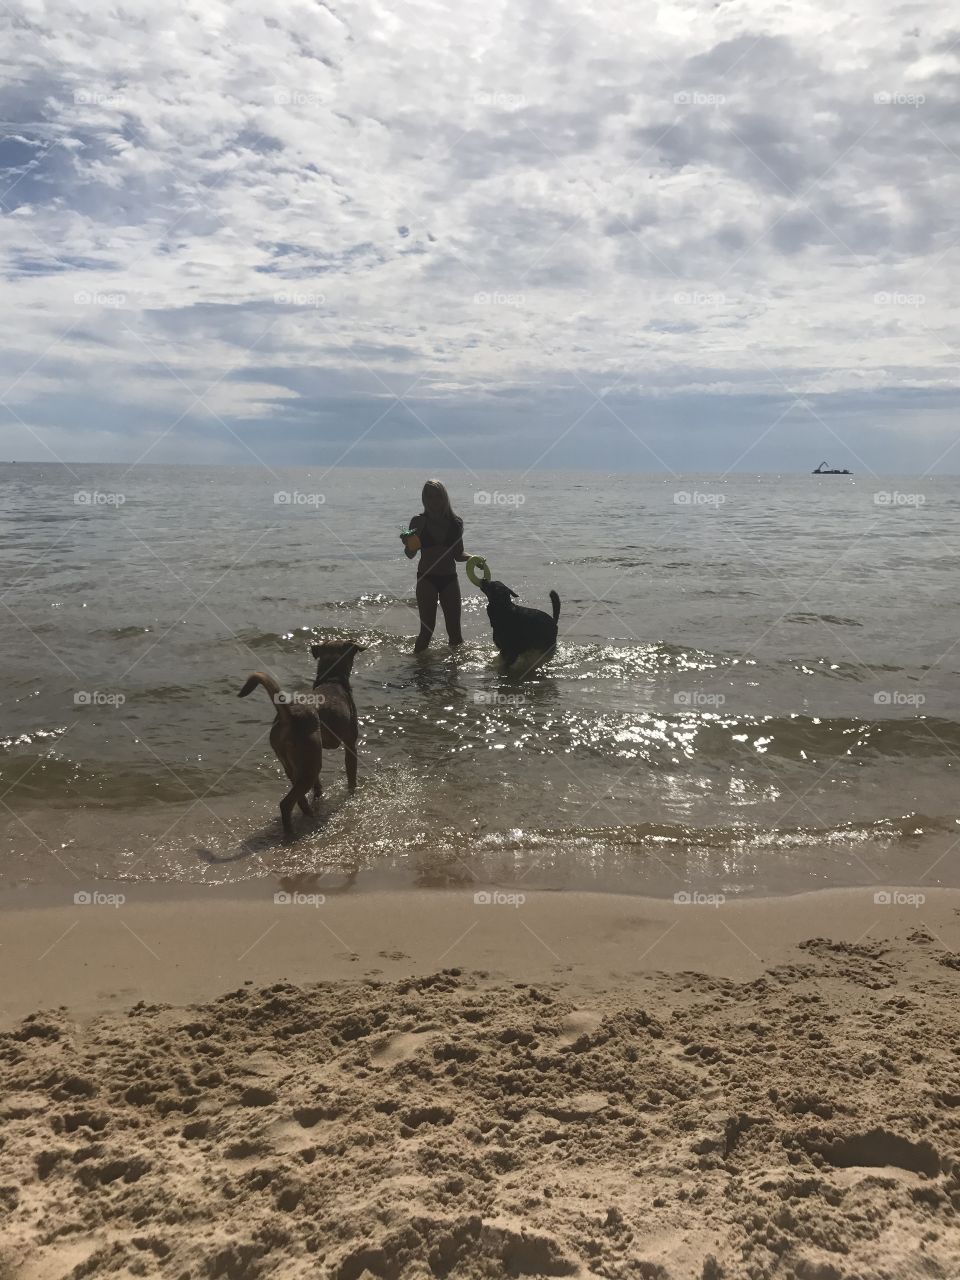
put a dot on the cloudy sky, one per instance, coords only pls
(545, 234)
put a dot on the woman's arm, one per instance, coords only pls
(457, 548)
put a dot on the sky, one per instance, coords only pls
(682, 236)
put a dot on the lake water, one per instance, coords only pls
(756, 688)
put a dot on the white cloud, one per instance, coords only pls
(309, 208)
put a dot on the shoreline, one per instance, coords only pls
(192, 945)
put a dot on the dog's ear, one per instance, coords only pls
(357, 648)
(316, 650)
(515, 594)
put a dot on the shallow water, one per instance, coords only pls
(755, 688)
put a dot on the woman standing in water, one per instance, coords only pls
(437, 533)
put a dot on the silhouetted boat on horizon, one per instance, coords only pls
(825, 469)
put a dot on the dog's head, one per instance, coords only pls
(334, 659)
(498, 593)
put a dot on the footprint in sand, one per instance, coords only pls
(579, 1023)
(400, 1047)
(263, 1065)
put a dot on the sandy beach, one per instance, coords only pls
(417, 1084)
(479, 641)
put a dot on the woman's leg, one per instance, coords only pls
(450, 604)
(427, 605)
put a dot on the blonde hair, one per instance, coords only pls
(438, 488)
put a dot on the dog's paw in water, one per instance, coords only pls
(525, 665)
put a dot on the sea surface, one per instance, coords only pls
(756, 689)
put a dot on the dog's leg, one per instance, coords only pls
(301, 800)
(297, 795)
(286, 811)
(350, 756)
(315, 766)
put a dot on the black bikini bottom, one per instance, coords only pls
(440, 581)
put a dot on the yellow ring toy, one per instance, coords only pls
(475, 563)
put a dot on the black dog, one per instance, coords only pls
(516, 629)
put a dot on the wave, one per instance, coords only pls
(63, 781)
(644, 856)
(303, 637)
(16, 741)
(621, 562)
(620, 661)
(807, 738)
(711, 736)
(123, 633)
(741, 836)
(532, 734)
(829, 618)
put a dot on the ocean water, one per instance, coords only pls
(756, 688)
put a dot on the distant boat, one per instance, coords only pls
(825, 469)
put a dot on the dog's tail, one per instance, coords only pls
(555, 601)
(268, 682)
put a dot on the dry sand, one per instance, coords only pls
(414, 1085)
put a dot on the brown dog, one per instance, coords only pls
(306, 723)
(336, 707)
(297, 743)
